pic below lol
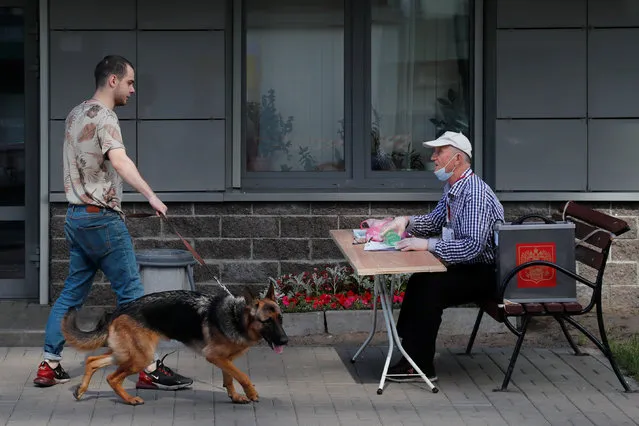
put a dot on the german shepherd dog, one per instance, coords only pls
(219, 326)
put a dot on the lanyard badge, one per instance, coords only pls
(447, 231)
(448, 234)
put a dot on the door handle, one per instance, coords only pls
(35, 258)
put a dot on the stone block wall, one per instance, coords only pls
(245, 243)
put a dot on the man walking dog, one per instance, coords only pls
(95, 162)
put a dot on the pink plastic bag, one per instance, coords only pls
(373, 228)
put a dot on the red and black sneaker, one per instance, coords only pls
(48, 376)
(162, 378)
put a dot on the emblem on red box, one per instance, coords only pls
(536, 276)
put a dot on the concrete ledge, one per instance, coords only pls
(304, 323)
(26, 338)
(341, 322)
(455, 321)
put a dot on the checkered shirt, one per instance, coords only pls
(474, 209)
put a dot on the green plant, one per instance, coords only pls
(451, 114)
(396, 160)
(271, 130)
(307, 161)
(627, 354)
(333, 288)
(414, 159)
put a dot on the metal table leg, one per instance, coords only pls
(388, 320)
(387, 309)
(373, 327)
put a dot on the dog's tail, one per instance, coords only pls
(85, 340)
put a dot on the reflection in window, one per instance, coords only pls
(11, 107)
(12, 250)
(294, 85)
(419, 78)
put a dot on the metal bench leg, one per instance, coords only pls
(515, 354)
(572, 343)
(608, 352)
(604, 348)
(471, 341)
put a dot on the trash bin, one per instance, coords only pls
(165, 269)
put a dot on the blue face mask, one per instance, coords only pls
(442, 174)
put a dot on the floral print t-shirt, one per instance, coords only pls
(91, 130)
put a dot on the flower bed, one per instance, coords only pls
(332, 288)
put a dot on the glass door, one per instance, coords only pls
(18, 151)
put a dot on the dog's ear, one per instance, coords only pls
(270, 294)
(248, 295)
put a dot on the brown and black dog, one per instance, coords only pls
(219, 326)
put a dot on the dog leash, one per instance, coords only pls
(195, 254)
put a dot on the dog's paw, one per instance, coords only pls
(240, 399)
(135, 401)
(77, 394)
(253, 396)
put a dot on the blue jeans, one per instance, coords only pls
(96, 241)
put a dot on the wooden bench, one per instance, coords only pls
(594, 233)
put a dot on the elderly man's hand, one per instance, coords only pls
(412, 244)
(398, 225)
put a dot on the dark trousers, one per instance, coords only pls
(426, 297)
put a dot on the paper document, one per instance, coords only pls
(378, 246)
(359, 237)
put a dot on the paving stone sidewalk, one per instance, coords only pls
(319, 386)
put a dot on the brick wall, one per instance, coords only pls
(245, 243)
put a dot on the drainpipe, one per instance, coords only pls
(43, 29)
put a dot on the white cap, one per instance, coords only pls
(458, 140)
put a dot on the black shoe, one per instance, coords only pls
(162, 378)
(48, 376)
(399, 373)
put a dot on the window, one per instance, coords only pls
(419, 78)
(294, 85)
(343, 93)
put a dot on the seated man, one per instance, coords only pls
(460, 232)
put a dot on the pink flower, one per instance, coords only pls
(285, 301)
